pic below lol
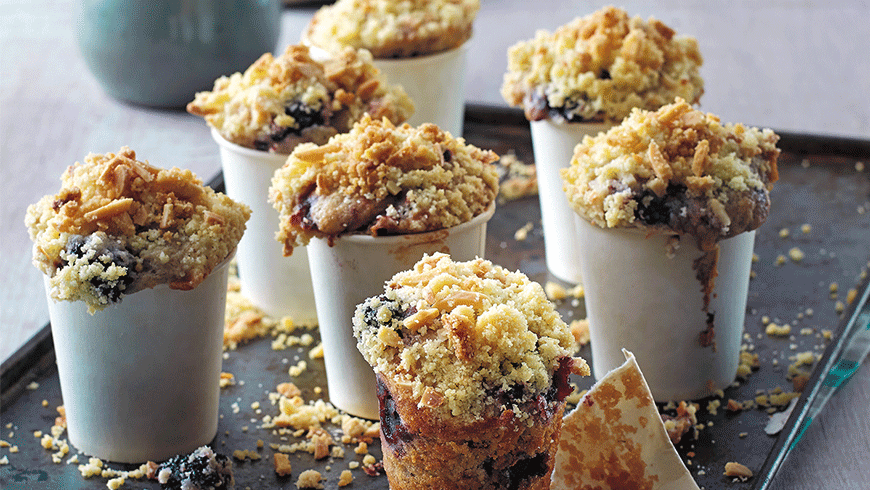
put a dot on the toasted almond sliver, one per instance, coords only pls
(113, 208)
(431, 398)
(700, 160)
(420, 318)
(367, 89)
(660, 165)
(580, 367)
(313, 154)
(468, 298)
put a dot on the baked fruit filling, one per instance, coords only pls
(109, 267)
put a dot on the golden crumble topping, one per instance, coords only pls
(599, 67)
(281, 102)
(382, 179)
(119, 225)
(675, 169)
(392, 28)
(461, 335)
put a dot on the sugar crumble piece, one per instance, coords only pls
(796, 254)
(737, 470)
(806, 228)
(780, 260)
(859, 166)
(282, 464)
(839, 307)
(784, 233)
(523, 233)
(555, 291)
(851, 295)
(309, 479)
(345, 479)
(518, 179)
(774, 330)
(32, 385)
(316, 352)
(580, 332)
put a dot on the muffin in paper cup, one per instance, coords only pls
(422, 45)
(135, 265)
(582, 79)
(553, 146)
(368, 204)
(667, 204)
(257, 119)
(472, 363)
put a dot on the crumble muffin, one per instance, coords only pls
(281, 102)
(392, 28)
(472, 364)
(675, 170)
(381, 179)
(599, 67)
(119, 225)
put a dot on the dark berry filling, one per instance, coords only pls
(304, 116)
(537, 107)
(197, 472)
(395, 432)
(525, 469)
(660, 210)
(561, 388)
(107, 253)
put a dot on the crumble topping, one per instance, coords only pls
(393, 28)
(463, 335)
(382, 179)
(599, 67)
(281, 102)
(119, 225)
(676, 170)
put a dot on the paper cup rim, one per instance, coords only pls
(424, 58)
(243, 150)
(391, 239)
(568, 125)
(636, 230)
(394, 61)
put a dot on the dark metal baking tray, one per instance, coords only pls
(819, 185)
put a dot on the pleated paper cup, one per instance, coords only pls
(356, 267)
(436, 85)
(553, 145)
(643, 294)
(140, 379)
(278, 285)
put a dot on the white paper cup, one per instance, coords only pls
(278, 285)
(637, 298)
(553, 146)
(355, 268)
(436, 85)
(140, 379)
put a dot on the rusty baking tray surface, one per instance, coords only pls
(821, 185)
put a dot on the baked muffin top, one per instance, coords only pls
(599, 67)
(119, 225)
(465, 336)
(676, 170)
(393, 28)
(281, 102)
(381, 179)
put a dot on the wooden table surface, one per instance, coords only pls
(53, 112)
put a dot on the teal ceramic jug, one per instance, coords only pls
(161, 52)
